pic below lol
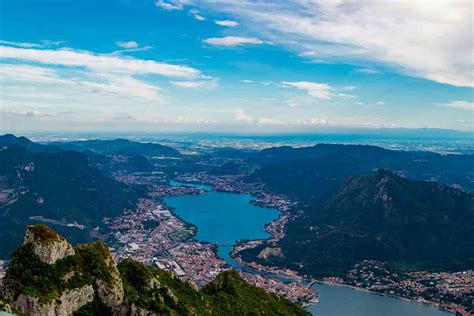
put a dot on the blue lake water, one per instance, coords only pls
(225, 218)
(338, 301)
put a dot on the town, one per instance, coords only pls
(153, 235)
(448, 291)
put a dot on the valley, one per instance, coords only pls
(188, 211)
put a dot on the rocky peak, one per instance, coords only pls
(48, 245)
(88, 282)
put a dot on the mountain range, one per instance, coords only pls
(122, 147)
(41, 183)
(310, 173)
(414, 225)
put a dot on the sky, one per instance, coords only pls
(235, 66)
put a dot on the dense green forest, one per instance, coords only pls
(412, 224)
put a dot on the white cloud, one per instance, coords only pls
(347, 96)
(427, 39)
(195, 84)
(292, 103)
(315, 90)
(128, 47)
(230, 41)
(187, 84)
(307, 54)
(246, 81)
(380, 103)
(169, 5)
(227, 23)
(197, 15)
(129, 44)
(241, 116)
(87, 85)
(464, 105)
(29, 113)
(314, 121)
(269, 121)
(97, 62)
(17, 44)
(189, 120)
(368, 71)
(65, 78)
(44, 43)
(28, 73)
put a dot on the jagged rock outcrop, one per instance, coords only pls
(86, 280)
(48, 245)
(111, 293)
(66, 304)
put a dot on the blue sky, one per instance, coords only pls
(235, 66)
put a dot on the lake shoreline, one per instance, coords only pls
(361, 289)
(298, 278)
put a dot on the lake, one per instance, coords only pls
(225, 218)
(222, 218)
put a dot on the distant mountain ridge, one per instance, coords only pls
(9, 140)
(312, 172)
(59, 186)
(414, 224)
(123, 147)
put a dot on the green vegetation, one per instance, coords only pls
(310, 173)
(94, 308)
(44, 234)
(145, 288)
(156, 290)
(184, 234)
(55, 185)
(414, 225)
(123, 147)
(151, 224)
(229, 294)
(28, 274)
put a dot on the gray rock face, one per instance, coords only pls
(47, 245)
(111, 293)
(69, 302)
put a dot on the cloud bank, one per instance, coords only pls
(431, 40)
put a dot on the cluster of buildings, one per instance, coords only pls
(450, 291)
(199, 261)
(169, 190)
(153, 235)
(294, 291)
(223, 183)
(140, 178)
(145, 232)
(281, 203)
